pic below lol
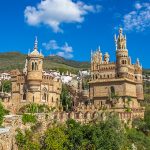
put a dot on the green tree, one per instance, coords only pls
(28, 140)
(140, 140)
(55, 139)
(147, 116)
(3, 112)
(113, 136)
(75, 135)
(6, 86)
(66, 98)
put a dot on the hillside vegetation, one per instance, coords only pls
(16, 60)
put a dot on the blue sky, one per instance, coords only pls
(71, 28)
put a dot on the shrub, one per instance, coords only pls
(29, 118)
(3, 112)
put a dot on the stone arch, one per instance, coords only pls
(87, 115)
(95, 115)
(80, 115)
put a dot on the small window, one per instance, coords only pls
(44, 96)
(24, 96)
(32, 65)
(33, 99)
(112, 89)
(36, 66)
(96, 76)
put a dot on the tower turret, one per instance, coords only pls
(96, 59)
(106, 58)
(138, 80)
(122, 59)
(34, 68)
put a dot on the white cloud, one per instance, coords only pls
(65, 50)
(138, 19)
(55, 12)
(51, 45)
(138, 6)
(63, 54)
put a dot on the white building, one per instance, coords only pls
(68, 77)
(84, 73)
(5, 76)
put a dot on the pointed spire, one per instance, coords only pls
(138, 62)
(99, 48)
(130, 62)
(36, 44)
(91, 52)
(115, 38)
(28, 51)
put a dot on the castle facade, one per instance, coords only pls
(33, 85)
(116, 83)
(113, 86)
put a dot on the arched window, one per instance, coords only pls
(24, 96)
(44, 94)
(112, 90)
(33, 99)
(52, 100)
(32, 65)
(44, 97)
(96, 76)
(36, 66)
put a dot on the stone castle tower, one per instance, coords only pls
(34, 85)
(34, 73)
(121, 78)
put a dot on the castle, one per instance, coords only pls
(116, 84)
(113, 86)
(33, 85)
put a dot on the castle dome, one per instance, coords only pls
(35, 52)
